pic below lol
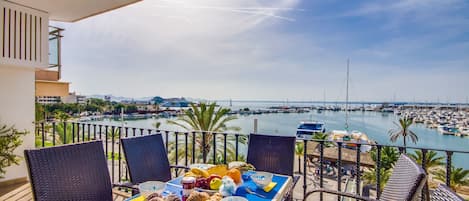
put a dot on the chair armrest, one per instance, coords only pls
(127, 185)
(179, 167)
(350, 195)
(121, 194)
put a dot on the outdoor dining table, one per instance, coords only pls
(278, 193)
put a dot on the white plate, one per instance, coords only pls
(234, 198)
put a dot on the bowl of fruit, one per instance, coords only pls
(211, 180)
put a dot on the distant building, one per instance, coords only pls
(74, 98)
(48, 99)
(175, 102)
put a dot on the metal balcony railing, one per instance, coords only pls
(217, 148)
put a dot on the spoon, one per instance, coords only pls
(248, 190)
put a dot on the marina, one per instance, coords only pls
(375, 124)
(446, 121)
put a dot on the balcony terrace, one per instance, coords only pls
(344, 169)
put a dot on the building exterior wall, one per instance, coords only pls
(49, 75)
(74, 98)
(47, 88)
(17, 108)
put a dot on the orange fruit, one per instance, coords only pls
(235, 174)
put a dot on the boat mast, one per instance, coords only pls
(346, 97)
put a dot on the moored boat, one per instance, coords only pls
(306, 130)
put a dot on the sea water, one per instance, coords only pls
(375, 124)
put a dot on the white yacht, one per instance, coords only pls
(306, 130)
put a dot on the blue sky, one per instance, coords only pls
(273, 50)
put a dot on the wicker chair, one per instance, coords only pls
(147, 159)
(443, 193)
(405, 183)
(70, 172)
(273, 154)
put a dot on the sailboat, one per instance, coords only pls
(345, 135)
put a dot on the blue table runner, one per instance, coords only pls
(174, 186)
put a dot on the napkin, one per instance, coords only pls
(139, 198)
(270, 186)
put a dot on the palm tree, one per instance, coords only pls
(432, 159)
(369, 177)
(459, 177)
(61, 116)
(299, 151)
(403, 131)
(64, 133)
(208, 119)
(63, 130)
(322, 137)
(230, 148)
(389, 156)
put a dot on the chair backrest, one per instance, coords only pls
(443, 193)
(146, 158)
(272, 153)
(406, 181)
(69, 172)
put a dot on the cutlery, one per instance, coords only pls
(248, 190)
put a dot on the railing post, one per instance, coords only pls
(112, 152)
(94, 131)
(89, 132)
(186, 148)
(321, 167)
(119, 156)
(449, 154)
(237, 146)
(43, 134)
(214, 148)
(73, 132)
(339, 168)
(78, 132)
(204, 152)
(106, 139)
(83, 132)
(378, 171)
(141, 131)
(166, 140)
(424, 167)
(358, 170)
(176, 144)
(133, 131)
(305, 147)
(125, 167)
(224, 147)
(100, 132)
(65, 132)
(53, 133)
(193, 147)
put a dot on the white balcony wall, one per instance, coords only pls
(23, 48)
(23, 36)
(17, 108)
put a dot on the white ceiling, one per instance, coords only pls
(73, 10)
